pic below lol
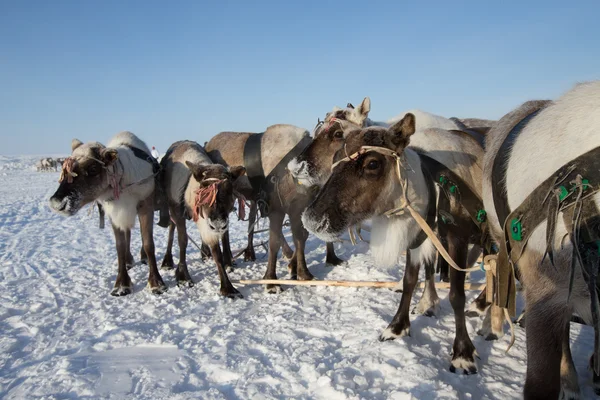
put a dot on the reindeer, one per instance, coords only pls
(313, 167)
(365, 185)
(545, 220)
(204, 191)
(285, 197)
(121, 177)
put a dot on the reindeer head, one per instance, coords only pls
(313, 166)
(362, 186)
(356, 116)
(214, 197)
(85, 177)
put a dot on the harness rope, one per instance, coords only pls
(205, 196)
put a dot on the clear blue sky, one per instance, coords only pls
(190, 69)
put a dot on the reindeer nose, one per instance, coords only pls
(218, 224)
(58, 204)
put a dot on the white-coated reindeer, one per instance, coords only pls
(121, 177)
(540, 168)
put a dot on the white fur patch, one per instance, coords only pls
(464, 364)
(387, 334)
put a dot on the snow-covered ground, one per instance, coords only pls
(63, 336)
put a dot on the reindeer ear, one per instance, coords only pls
(237, 171)
(349, 105)
(403, 129)
(365, 107)
(109, 156)
(75, 143)
(197, 170)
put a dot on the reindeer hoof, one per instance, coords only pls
(159, 289)
(184, 284)
(334, 261)
(467, 366)
(231, 293)
(229, 268)
(121, 291)
(305, 277)
(167, 263)
(472, 314)
(249, 255)
(273, 289)
(389, 334)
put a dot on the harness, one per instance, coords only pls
(263, 185)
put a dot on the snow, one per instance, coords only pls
(63, 336)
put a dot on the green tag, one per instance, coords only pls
(481, 216)
(563, 193)
(453, 189)
(443, 180)
(516, 230)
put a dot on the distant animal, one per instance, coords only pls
(541, 191)
(370, 174)
(283, 196)
(122, 178)
(46, 164)
(203, 191)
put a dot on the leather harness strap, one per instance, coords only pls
(253, 163)
(500, 166)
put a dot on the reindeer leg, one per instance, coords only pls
(227, 288)
(430, 301)
(167, 263)
(146, 216)
(182, 274)
(205, 252)
(479, 306)
(569, 381)
(443, 267)
(249, 254)
(463, 350)
(300, 236)
(129, 261)
(331, 258)
(275, 223)
(400, 325)
(143, 254)
(227, 255)
(123, 285)
(286, 250)
(492, 328)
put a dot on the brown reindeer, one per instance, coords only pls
(203, 191)
(286, 197)
(365, 184)
(121, 177)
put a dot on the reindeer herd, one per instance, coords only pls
(523, 190)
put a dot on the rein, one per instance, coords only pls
(205, 196)
(405, 203)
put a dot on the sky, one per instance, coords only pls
(177, 70)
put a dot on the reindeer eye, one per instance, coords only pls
(373, 164)
(338, 134)
(93, 170)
